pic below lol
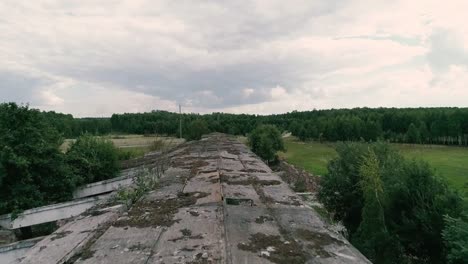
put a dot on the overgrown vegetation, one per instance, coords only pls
(266, 141)
(33, 171)
(196, 129)
(456, 239)
(449, 162)
(145, 180)
(393, 208)
(92, 159)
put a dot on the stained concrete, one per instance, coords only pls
(217, 203)
(50, 213)
(68, 240)
(16, 250)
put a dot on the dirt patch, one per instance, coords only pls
(264, 218)
(249, 181)
(253, 170)
(198, 259)
(193, 213)
(233, 151)
(319, 241)
(195, 168)
(239, 201)
(265, 199)
(60, 235)
(209, 171)
(183, 162)
(158, 212)
(215, 180)
(228, 158)
(7, 237)
(86, 252)
(299, 179)
(96, 210)
(275, 249)
(292, 201)
(187, 249)
(186, 234)
(138, 247)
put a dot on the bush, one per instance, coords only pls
(265, 141)
(196, 129)
(157, 145)
(93, 159)
(393, 208)
(456, 239)
(33, 171)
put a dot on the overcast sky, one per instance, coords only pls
(95, 58)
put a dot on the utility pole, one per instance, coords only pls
(180, 121)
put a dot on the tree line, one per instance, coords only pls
(446, 126)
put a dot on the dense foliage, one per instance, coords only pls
(196, 129)
(266, 141)
(33, 172)
(392, 208)
(456, 237)
(71, 127)
(93, 159)
(411, 125)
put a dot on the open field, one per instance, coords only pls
(133, 146)
(449, 162)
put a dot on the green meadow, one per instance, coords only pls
(449, 162)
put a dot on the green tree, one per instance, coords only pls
(413, 201)
(456, 239)
(33, 171)
(93, 159)
(413, 135)
(196, 129)
(372, 236)
(424, 132)
(265, 141)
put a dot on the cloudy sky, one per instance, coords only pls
(95, 58)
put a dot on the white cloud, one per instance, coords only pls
(95, 58)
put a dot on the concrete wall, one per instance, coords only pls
(49, 213)
(82, 202)
(101, 187)
(11, 252)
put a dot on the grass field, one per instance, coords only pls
(449, 162)
(132, 146)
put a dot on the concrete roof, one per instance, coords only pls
(217, 203)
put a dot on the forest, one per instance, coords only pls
(445, 126)
(395, 210)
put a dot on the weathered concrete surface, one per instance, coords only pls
(101, 187)
(84, 197)
(217, 203)
(50, 213)
(13, 251)
(7, 236)
(68, 240)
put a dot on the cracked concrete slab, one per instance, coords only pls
(68, 240)
(198, 233)
(217, 203)
(123, 245)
